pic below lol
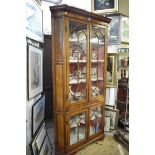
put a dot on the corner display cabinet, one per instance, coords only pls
(79, 64)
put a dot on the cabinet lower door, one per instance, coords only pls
(77, 128)
(96, 120)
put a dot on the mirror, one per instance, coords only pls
(111, 69)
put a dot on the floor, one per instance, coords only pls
(108, 146)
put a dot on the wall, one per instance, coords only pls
(124, 7)
(86, 5)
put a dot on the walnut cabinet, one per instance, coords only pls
(79, 64)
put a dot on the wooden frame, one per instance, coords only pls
(72, 105)
(34, 21)
(111, 69)
(99, 119)
(35, 70)
(37, 142)
(103, 6)
(38, 110)
(101, 96)
(71, 146)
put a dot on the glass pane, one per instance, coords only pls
(109, 68)
(97, 61)
(95, 119)
(77, 128)
(77, 61)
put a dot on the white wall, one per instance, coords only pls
(83, 4)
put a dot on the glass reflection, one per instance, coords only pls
(97, 61)
(77, 61)
(95, 120)
(77, 128)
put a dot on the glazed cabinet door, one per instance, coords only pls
(96, 120)
(77, 63)
(76, 129)
(97, 61)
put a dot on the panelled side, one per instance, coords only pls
(58, 65)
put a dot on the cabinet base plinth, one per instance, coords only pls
(100, 137)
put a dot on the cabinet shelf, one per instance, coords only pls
(95, 79)
(124, 122)
(77, 82)
(96, 43)
(95, 61)
(76, 61)
(75, 125)
(123, 102)
(123, 66)
(76, 41)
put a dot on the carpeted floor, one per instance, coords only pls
(106, 147)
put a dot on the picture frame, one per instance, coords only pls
(125, 29)
(35, 70)
(34, 21)
(114, 36)
(113, 114)
(46, 147)
(111, 70)
(103, 6)
(110, 106)
(38, 114)
(38, 140)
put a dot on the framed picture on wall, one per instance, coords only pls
(38, 110)
(113, 114)
(35, 70)
(34, 21)
(125, 29)
(111, 69)
(38, 140)
(102, 6)
(114, 29)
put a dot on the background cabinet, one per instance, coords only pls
(123, 88)
(123, 104)
(79, 64)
